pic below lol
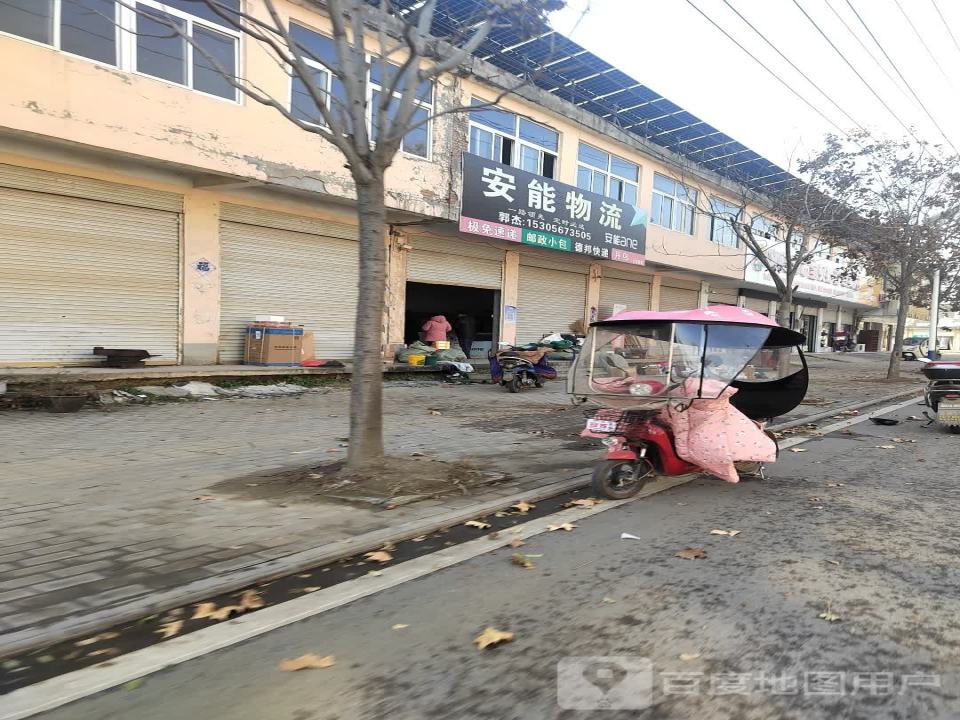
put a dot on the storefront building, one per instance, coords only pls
(141, 211)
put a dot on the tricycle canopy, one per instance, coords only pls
(644, 359)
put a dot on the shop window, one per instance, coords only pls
(505, 137)
(320, 54)
(89, 29)
(724, 215)
(607, 174)
(673, 205)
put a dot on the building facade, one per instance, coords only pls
(144, 203)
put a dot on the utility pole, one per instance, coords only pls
(934, 312)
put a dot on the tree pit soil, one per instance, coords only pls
(398, 481)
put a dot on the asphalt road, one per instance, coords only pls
(865, 533)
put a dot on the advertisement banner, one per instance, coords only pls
(504, 202)
(819, 277)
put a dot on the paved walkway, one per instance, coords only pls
(100, 508)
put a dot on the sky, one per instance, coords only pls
(673, 49)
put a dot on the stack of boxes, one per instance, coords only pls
(270, 340)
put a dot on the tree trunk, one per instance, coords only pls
(366, 387)
(785, 307)
(893, 369)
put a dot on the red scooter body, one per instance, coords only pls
(647, 439)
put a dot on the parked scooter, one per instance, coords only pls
(942, 393)
(517, 368)
(659, 373)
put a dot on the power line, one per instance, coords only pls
(946, 25)
(894, 66)
(855, 71)
(867, 50)
(922, 41)
(764, 66)
(793, 65)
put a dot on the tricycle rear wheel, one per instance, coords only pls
(621, 479)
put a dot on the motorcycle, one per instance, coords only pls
(516, 368)
(942, 393)
(654, 372)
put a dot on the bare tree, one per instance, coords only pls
(414, 46)
(905, 199)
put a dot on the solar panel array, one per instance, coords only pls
(562, 67)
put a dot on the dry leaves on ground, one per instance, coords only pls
(492, 636)
(170, 629)
(523, 507)
(886, 447)
(479, 524)
(728, 533)
(608, 600)
(104, 651)
(692, 553)
(380, 556)
(399, 626)
(308, 662)
(97, 638)
(798, 449)
(516, 542)
(687, 657)
(562, 526)
(583, 502)
(251, 600)
(521, 560)
(829, 616)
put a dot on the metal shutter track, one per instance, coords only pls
(309, 279)
(674, 298)
(614, 291)
(549, 300)
(76, 273)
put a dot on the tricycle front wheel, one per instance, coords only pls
(621, 479)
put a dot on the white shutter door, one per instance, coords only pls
(614, 291)
(454, 262)
(75, 273)
(310, 280)
(548, 302)
(675, 298)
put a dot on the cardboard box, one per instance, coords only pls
(272, 345)
(306, 350)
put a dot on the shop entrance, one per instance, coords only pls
(482, 305)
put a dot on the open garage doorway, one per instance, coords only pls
(482, 305)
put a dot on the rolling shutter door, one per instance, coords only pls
(309, 279)
(548, 302)
(85, 263)
(635, 295)
(757, 305)
(454, 262)
(723, 296)
(678, 298)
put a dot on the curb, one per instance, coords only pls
(265, 570)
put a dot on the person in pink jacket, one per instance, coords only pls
(436, 328)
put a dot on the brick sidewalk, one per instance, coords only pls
(98, 508)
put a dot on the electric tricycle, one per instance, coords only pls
(942, 393)
(686, 391)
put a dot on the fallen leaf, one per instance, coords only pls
(170, 629)
(562, 526)
(798, 449)
(516, 542)
(479, 524)
(501, 513)
(303, 575)
(834, 484)
(729, 533)
(491, 636)
(691, 553)
(251, 600)
(687, 657)
(399, 626)
(205, 498)
(629, 536)
(103, 651)
(44, 659)
(608, 600)
(420, 538)
(829, 616)
(375, 572)
(97, 638)
(380, 556)
(132, 684)
(389, 547)
(308, 662)
(521, 560)
(416, 454)
(523, 507)
(833, 562)
(225, 612)
(204, 610)
(887, 447)
(583, 502)
(435, 412)
(493, 536)
(310, 589)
